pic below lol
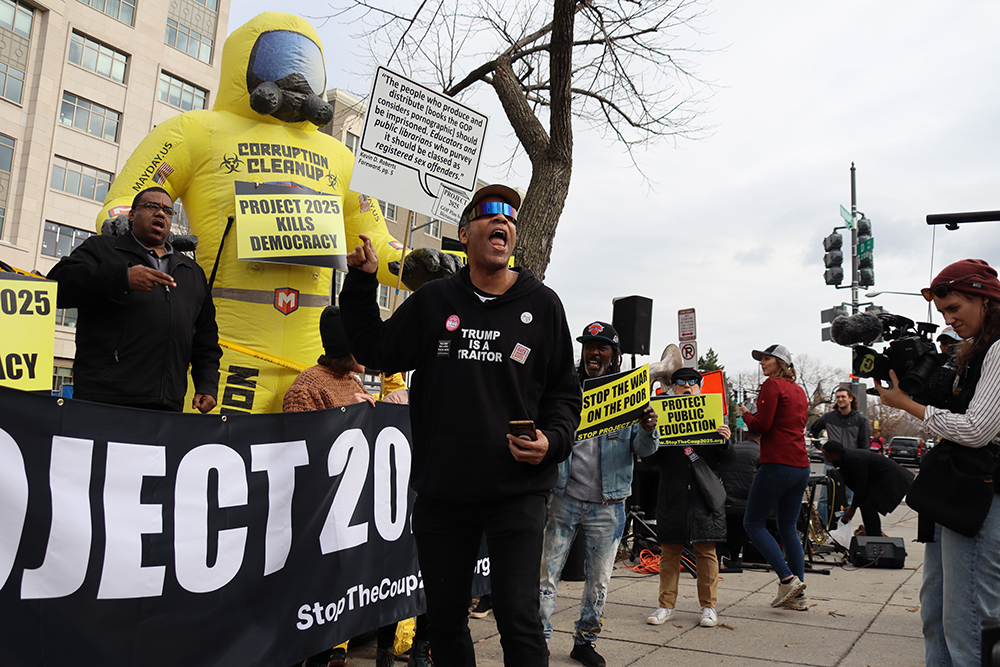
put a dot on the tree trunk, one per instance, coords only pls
(551, 154)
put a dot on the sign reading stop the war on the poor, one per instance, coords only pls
(289, 225)
(688, 420)
(419, 149)
(27, 331)
(613, 402)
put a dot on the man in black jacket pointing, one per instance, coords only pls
(145, 315)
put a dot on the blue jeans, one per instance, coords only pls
(777, 486)
(602, 527)
(961, 589)
(448, 536)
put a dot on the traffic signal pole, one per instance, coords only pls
(854, 249)
(855, 383)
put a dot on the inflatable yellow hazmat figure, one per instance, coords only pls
(263, 129)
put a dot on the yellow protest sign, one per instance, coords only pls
(688, 420)
(613, 401)
(290, 225)
(27, 331)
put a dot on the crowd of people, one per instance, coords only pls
(502, 336)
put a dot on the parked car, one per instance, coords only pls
(902, 448)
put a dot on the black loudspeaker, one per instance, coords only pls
(877, 552)
(632, 319)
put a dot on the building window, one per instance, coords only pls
(11, 83)
(81, 180)
(61, 376)
(181, 94)
(60, 240)
(189, 41)
(352, 142)
(390, 211)
(120, 10)
(211, 4)
(97, 58)
(66, 317)
(90, 117)
(16, 17)
(433, 228)
(383, 296)
(6, 165)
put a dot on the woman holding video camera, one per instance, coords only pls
(961, 586)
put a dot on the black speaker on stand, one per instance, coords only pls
(633, 319)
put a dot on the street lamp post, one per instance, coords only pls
(930, 310)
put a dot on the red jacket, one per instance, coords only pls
(781, 420)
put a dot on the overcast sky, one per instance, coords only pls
(733, 224)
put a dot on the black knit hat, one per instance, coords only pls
(331, 330)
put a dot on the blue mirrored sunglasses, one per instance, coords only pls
(494, 207)
(688, 381)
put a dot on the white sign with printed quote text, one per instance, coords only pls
(419, 149)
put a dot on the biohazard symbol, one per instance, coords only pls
(595, 329)
(231, 162)
(331, 179)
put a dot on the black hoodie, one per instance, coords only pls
(478, 366)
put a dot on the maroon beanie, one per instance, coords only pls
(985, 285)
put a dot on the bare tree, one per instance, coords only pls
(616, 64)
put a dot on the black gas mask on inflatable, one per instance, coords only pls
(285, 78)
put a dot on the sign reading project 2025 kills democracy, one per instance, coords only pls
(290, 225)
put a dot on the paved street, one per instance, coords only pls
(859, 617)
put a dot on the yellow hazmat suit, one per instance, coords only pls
(271, 309)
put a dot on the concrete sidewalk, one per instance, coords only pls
(859, 617)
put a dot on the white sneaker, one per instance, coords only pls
(660, 616)
(709, 619)
(798, 604)
(788, 591)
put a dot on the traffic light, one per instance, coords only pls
(866, 262)
(834, 257)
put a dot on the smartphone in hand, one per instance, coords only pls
(523, 428)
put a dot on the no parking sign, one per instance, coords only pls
(689, 353)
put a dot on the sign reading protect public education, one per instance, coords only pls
(688, 420)
(419, 149)
(27, 331)
(289, 225)
(613, 402)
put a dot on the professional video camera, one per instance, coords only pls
(924, 373)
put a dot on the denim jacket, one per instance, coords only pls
(616, 451)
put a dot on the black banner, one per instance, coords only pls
(138, 537)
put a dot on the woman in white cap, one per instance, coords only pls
(781, 480)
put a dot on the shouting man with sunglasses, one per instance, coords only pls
(490, 346)
(145, 315)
